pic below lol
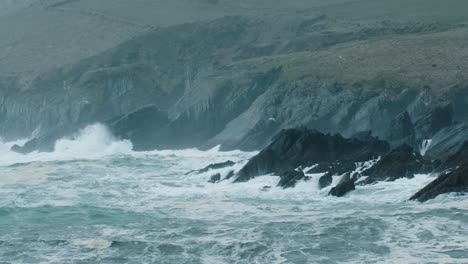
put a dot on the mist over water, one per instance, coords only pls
(94, 200)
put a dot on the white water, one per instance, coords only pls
(94, 200)
(425, 145)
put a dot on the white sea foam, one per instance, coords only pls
(92, 243)
(146, 198)
(92, 142)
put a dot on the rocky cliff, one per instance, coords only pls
(238, 76)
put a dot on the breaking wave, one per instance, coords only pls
(92, 142)
(95, 200)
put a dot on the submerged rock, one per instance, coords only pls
(215, 178)
(214, 166)
(455, 181)
(289, 179)
(304, 147)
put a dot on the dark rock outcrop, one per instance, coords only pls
(344, 186)
(214, 166)
(304, 147)
(146, 128)
(36, 144)
(326, 180)
(43, 143)
(290, 178)
(230, 175)
(215, 178)
(401, 162)
(455, 181)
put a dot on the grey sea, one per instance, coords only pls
(94, 200)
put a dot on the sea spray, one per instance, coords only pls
(95, 200)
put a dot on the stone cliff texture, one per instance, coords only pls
(238, 80)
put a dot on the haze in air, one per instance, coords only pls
(250, 131)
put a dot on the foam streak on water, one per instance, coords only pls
(94, 200)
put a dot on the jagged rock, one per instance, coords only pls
(401, 162)
(215, 178)
(43, 143)
(319, 168)
(344, 186)
(290, 178)
(303, 147)
(214, 166)
(31, 146)
(146, 128)
(401, 130)
(326, 180)
(455, 181)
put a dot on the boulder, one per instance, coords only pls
(326, 180)
(290, 178)
(344, 186)
(455, 181)
(293, 148)
(215, 178)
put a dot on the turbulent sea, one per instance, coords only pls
(94, 200)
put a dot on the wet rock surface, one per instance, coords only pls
(401, 162)
(325, 181)
(214, 166)
(455, 181)
(360, 156)
(215, 178)
(345, 186)
(289, 179)
(303, 147)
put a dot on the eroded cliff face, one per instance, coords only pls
(237, 81)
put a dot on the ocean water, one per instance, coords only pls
(94, 200)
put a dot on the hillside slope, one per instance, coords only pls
(237, 80)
